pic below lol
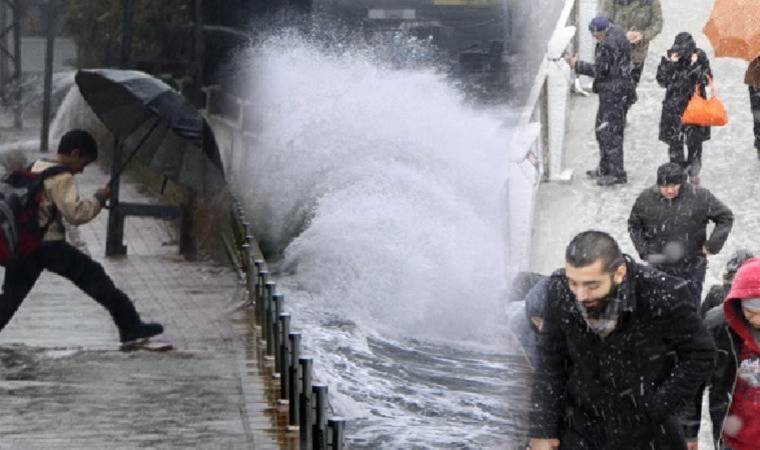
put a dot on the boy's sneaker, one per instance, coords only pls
(140, 331)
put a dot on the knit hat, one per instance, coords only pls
(670, 173)
(598, 24)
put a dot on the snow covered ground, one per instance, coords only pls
(730, 163)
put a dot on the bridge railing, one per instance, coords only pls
(537, 150)
(307, 402)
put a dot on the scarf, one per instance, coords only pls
(603, 322)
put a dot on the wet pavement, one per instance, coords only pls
(730, 165)
(65, 384)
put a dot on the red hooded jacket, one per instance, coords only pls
(741, 429)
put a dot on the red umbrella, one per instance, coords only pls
(734, 28)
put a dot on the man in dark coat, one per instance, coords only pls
(684, 68)
(735, 382)
(622, 350)
(668, 226)
(611, 71)
(718, 292)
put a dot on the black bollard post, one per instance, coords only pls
(284, 356)
(293, 378)
(262, 280)
(245, 257)
(336, 430)
(250, 283)
(266, 326)
(306, 419)
(319, 431)
(277, 305)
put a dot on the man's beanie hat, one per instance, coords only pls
(670, 173)
(599, 23)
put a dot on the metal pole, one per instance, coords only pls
(293, 375)
(17, 119)
(50, 32)
(269, 289)
(336, 425)
(262, 280)
(4, 44)
(319, 433)
(115, 231)
(277, 305)
(306, 418)
(284, 355)
(126, 33)
(199, 52)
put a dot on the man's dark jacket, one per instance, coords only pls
(611, 69)
(621, 392)
(656, 221)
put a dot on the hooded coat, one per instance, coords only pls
(657, 222)
(644, 16)
(620, 392)
(679, 79)
(732, 333)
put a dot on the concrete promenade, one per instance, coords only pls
(730, 163)
(65, 384)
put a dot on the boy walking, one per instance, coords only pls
(60, 201)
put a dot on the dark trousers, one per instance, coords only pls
(610, 130)
(636, 70)
(692, 164)
(668, 436)
(67, 261)
(693, 274)
(754, 100)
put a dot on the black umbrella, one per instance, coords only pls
(153, 121)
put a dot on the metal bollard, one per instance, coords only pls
(284, 356)
(336, 432)
(277, 305)
(245, 257)
(293, 378)
(266, 326)
(262, 279)
(306, 420)
(319, 431)
(251, 274)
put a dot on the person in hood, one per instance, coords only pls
(60, 201)
(621, 352)
(682, 69)
(668, 226)
(735, 383)
(752, 80)
(611, 71)
(528, 320)
(642, 22)
(718, 292)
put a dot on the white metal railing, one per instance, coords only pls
(537, 149)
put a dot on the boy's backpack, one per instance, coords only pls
(20, 195)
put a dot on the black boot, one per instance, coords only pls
(140, 331)
(593, 173)
(609, 180)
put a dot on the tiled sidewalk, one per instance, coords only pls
(64, 383)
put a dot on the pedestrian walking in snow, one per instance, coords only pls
(668, 226)
(684, 67)
(718, 292)
(642, 22)
(735, 383)
(60, 201)
(621, 352)
(752, 80)
(611, 71)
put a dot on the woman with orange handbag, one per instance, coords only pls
(684, 67)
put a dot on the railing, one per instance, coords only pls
(538, 147)
(308, 410)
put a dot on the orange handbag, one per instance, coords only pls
(706, 112)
